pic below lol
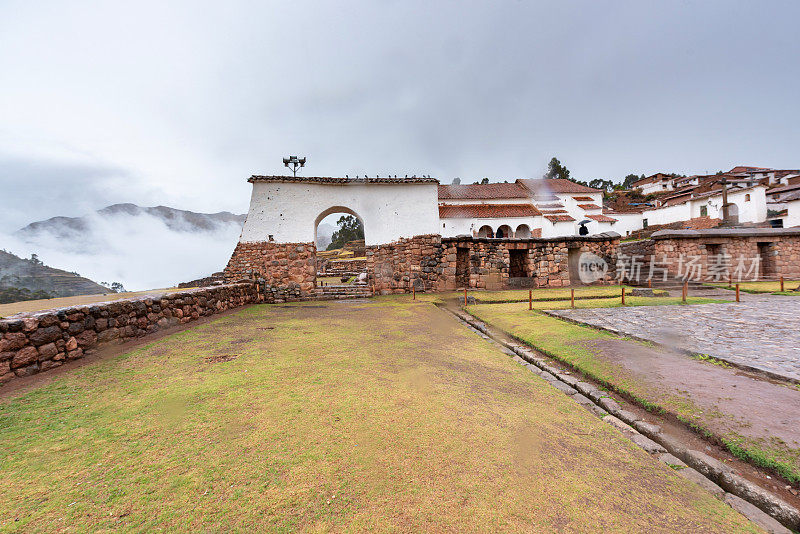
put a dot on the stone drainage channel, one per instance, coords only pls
(760, 506)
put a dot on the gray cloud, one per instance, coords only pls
(182, 101)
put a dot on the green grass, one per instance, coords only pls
(764, 286)
(563, 293)
(359, 416)
(572, 344)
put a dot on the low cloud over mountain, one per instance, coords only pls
(143, 248)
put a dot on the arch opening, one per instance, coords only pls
(485, 231)
(341, 250)
(504, 231)
(523, 231)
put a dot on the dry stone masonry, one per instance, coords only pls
(36, 342)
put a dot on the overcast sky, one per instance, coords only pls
(177, 103)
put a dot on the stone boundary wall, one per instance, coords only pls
(642, 249)
(31, 343)
(288, 269)
(396, 267)
(545, 261)
(777, 248)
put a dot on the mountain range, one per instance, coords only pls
(34, 276)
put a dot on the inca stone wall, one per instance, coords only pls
(539, 262)
(288, 269)
(432, 263)
(777, 250)
(36, 342)
(396, 267)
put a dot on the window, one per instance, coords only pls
(747, 197)
(644, 223)
(703, 211)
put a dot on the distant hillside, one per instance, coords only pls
(175, 219)
(141, 248)
(19, 273)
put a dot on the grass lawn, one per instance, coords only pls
(562, 293)
(574, 345)
(377, 415)
(766, 286)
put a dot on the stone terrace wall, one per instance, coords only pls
(36, 342)
(395, 267)
(546, 261)
(289, 269)
(779, 251)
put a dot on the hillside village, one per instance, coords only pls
(756, 197)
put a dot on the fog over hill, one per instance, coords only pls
(141, 247)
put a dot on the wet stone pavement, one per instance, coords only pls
(761, 332)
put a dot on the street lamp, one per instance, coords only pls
(294, 162)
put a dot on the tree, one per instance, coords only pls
(456, 181)
(350, 229)
(117, 287)
(35, 259)
(556, 170)
(627, 183)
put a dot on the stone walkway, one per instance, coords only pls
(762, 331)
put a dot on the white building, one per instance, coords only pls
(524, 208)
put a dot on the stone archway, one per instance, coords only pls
(523, 231)
(338, 209)
(504, 231)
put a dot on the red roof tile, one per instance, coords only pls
(602, 218)
(332, 180)
(486, 211)
(589, 207)
(555, 185)
(583, 199)
(558, 218)
(482, 191)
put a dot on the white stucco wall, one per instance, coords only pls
(793, 216)
(626, 222)
(289, 211)
(460, 226)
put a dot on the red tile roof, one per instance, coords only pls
(558, 218)
(486, 211)
(555, 185)
(583, 199)
(550, 206)
(589, 207)
(482, 191)
(602, 218)
(784, 188)
(332, 180)
(743, 168)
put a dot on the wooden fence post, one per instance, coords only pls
(623, 295)
(685, 290)
(530, 299)
(572, 296)
(465, 295)
(781, 284)
(737, 292)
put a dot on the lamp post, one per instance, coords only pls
(294, 162)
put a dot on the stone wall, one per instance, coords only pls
(395, 267)
(539, 262)
(777, 249)
(287, 269)
(431, 263)
(36, 342)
